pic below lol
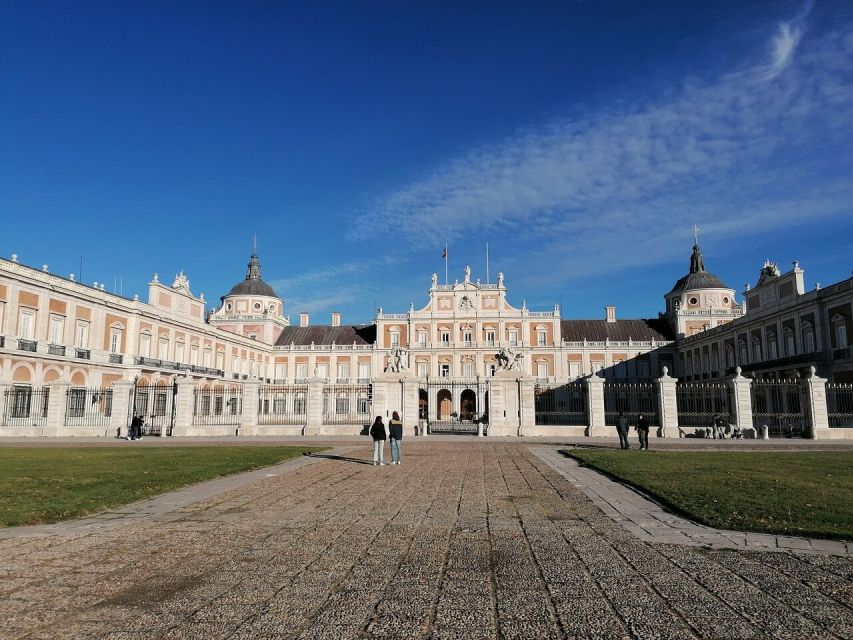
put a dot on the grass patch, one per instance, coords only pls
(48, 484)
(802, 493)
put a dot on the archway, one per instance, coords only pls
(467, 405)
(444, 403)
(423, 404)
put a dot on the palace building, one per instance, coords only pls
(459, 359)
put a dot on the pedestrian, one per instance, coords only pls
(134, 427)
(622, 430)
(395, 435)
(377, 432)
(643, 432)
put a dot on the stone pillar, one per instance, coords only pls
(121, 407)
(410, 405)
(184, 401)
(595, 397)
(249, 419)
(667, 405)
(314, 422)
(56, 403)
(817, 415)
(504, 391)
(741, 400)
(527, 405)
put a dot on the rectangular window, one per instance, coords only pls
(540, 337)
(363, 370)
(395, 339)
(445, 338)
(323, 370)
(299, 403)
(82, 335)
(574, 370)
(26, 326)
(841, 336)
(513, 337)
(444, 371)
(163, 349)
(490, 338)
(145, 345)
(2, 316)
(343, 371)
(422, 338)
(541, 369)
(208, 355)
(179, 352)
(466, 337)
(194, 355)
(301, 371)
(220, 361)
(57, 328)
(423, 369)
(115, 341)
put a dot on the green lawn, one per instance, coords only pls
(793, 493)
(48, 484)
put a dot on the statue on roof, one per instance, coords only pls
(500, 278)
(434, 279)
(697, 262)
(181, 282)
(467, 273)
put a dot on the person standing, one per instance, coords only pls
(622, 429)
(135, 427)
(395, 434)
(377, 432)
(643, 432)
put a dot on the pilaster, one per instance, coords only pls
(667, 405)
(528, 405)
(741, 400)
(814, 395)
(595, 397)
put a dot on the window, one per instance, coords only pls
(279, 372)
(574, 370)
(163, 349)
(145, 345)
(21, 401)
(299, 403)
(194, 355)
(235, 364)
(395, 338)
(364, 370)
(82, 335)
(541, 337)
(2, 315)
(808, 338)
(541, 369)
(772, 352)
(362, 404)
(444, 370)
(179, 352)
(490, 337)
(208, 354)
(467, 337)
(343, 371)
(26, 327)
(643, 369)
(423, 369)
(301, 371)
(839, 325)
(692, 301)
(756, 349)
(323, 370)
(790, 343)
(422, 338)
(513, 337)
(742, 352)
(493, 369)
(730, 356)
(57, 328)
(342, 404)
(115, 340)
(445, 338)
(220, 360)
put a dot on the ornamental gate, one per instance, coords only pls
(562, 404)
(156, 404)
(780, 405)
(454, 406)
(632, 399)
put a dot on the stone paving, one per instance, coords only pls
(467, 539)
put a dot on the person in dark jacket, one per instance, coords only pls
(622, 430)
(643, 432)
(377, 432)
(395, 433)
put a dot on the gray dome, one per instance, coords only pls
(253, 285)
(698, 278)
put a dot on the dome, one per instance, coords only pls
(698, 278)
(253, 285)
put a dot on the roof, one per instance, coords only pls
(253, 285)
(620, 330)
(326, 334)
(698, 278)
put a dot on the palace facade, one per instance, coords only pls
(56, 330)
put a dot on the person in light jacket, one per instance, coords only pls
(395, 433)
(377, 432)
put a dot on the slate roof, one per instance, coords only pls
(643, 329)
(698, 280)
(326, 334)
(253, 285)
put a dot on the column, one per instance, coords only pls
(528, 405)
(816, 413)
(595, 397)
(184, 404)
(249, 419)
(56, 403)
(741, 400)
(504, 394)
(314, 421)
(667, 405)
(121, 407)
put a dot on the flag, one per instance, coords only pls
(444, 253)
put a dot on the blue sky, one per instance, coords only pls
(581, 140)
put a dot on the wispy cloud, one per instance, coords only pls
(731, 151)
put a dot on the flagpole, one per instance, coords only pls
(487, 264)
(445, 263)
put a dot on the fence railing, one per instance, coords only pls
(88, 407)
(839, 405)
(564, 404)
(779, 405)
(283, 404)
(218, 406)
(700, 403)
(632, 399)
(24, 406)
(346, 404)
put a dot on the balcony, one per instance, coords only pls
(155, 363)
(55, 350)
(844, 353)
(83, 354)
(207, 371)
(27, 345)
(116, 358)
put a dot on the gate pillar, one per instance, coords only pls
(314, 421)
(504, 417)
(595, 397)
(409, 414)
(528, 405)
(121, 407)
(814, 396)
(249, 419)
(184, 400)
(667, 405)
(56, 404)
(741, 400)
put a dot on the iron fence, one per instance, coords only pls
(839, 404)
(454, 406)
(779, 405)
(632, 399)
(561, 404)
(218, 406)
(88, 407)
(283, 404)
(346, 404)
(24, 406)
(156, 405)
(699, 403)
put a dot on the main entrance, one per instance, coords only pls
(450, 406)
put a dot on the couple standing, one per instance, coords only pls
(642, 431)
(377, 432)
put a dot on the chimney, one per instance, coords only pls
(336, 318)
(303, 319)
(610, 313)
